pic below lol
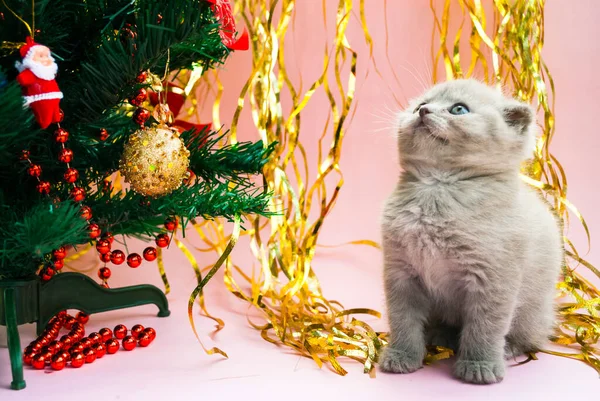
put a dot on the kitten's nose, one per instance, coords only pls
(424, 110)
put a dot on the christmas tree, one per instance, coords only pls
(105, 110)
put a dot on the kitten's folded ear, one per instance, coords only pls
(519, 115)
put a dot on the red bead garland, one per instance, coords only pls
(75, 350)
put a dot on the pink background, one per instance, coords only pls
(175, 366)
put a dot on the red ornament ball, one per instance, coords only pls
(140, 116)
(150, 254)
(58, 362)
(95, 337)
(82, 317)
(65, 155)
(171, 224)
(134, 260)
(61, 135)
(136, 330)
(94, 231)
(59, 264)
(103, 134)
(78, 194)
(86, 212)
(47, 273)
(105, 257)
(100, 350)
(112, 346)
(77, 360)
(71, 175)
(151, 332)
(129, 343)
(59, 253)
(140, 96)
(109, 237)
(144, 340)
(39, 361)
(90, 355)
(120, 331)
(162, 240)
(142, 77)
(106, 334)
(117, 257)
(24, 155)
(35, 170)
(103, 246)
(43, 187)
(104, 273)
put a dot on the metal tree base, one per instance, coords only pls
(30, 301)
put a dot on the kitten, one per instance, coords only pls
(471, 253)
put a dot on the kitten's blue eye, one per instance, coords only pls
(459, 109)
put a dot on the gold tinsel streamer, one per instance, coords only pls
(285, 288)
(514, 43)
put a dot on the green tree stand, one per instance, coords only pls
(29, 301)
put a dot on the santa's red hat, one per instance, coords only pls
(27, 47)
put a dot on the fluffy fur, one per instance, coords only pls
(472, 254)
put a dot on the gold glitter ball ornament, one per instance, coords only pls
(155, 161)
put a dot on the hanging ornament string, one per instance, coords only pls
(516, 44)
(29, 28)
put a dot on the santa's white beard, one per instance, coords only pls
(41, 71)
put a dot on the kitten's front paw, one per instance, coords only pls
(399, 361)
(479, 372)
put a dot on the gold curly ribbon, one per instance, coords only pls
(515, 40)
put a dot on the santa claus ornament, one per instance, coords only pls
(37, 72)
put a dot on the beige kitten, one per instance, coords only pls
(472, 253)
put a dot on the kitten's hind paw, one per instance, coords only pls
(479, 372)
(399, 361)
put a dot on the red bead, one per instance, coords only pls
(59, 253)
(86, 342)
(103, 246)
(104, 273)
(139, 98)
(109, 237)
(59, 264)
(71, 175)
(67, 341)
(171, 224)
(65, 355)
(24, 155)
(129, 343)
(61, 135)
(78, 194)
(61, 115)
(100, 350)
(144, 340)
(94, 230)
(140, 116)
(150, 254)
(43, 187)
(162, 240)
(142, 77)
(28, 357)
(103, 134)
(95, 337)
(134, 260)
(77, 360)
(77, 347)
(106, 334)
(90, 355)
(47, 273)
(120, 331)
(65, 155)
(112, 346)
(117, 257)
(105, 257)
(82, 317)
(35, 170)
(69, 322)
(86, 212)
(38, 361)
(58, 362)
(55, 346)
(136, 330)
